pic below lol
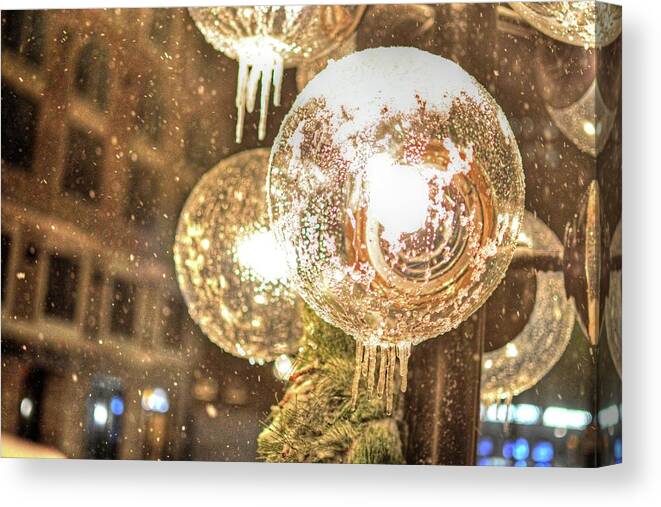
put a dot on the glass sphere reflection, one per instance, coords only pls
(580, 23)
(398, 200)
(522, 362)
(614, 300)
(229, 268)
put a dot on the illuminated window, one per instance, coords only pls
(104, 424)
(83, 168)
(23, 33)
(122, 313)
(30, 407)
(155, 400)
(92, 74)
(19, 128)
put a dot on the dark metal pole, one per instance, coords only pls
(442, 404)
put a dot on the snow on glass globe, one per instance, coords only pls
(396, 190)
(230, 269)
(266, 39)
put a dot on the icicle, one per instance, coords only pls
(403, 352)
(386, 355)
(268, 71)
(278, 71)
(371, 369)
(267, 75)
(386, 376)
(241, 84)
(383, 366)
(253, 83)
(365, 362)
(356, 374)
(390, 385)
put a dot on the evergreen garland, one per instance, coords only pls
(314, 422)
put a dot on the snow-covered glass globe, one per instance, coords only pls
(396, 191)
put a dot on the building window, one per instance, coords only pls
(142, 194)
(6, 250)
(92, 74)
(92, 321)
(172, 314)
(23, 33)
(83, 168)
(62, 288)
(26, 283)
(122, 313)
(148, 114)
(160, 26)
(19, 128)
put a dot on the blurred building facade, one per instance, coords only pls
(108, 119)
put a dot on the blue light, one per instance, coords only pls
(485, 446)
(117, 405)
(508, 448)
(483, 462)
(542, 452)
(521, 449)
(520, 463)
(543, 464)
(617, 450)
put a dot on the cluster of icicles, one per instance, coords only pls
(366, 367)
(267, 69)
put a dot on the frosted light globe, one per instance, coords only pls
(396, 190)
(231, 271)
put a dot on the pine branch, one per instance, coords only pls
(314, 421)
